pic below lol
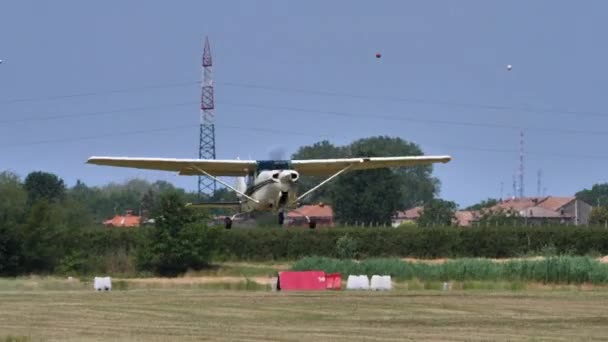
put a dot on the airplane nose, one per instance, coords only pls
(289, 176)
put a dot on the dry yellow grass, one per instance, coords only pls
(220, 315)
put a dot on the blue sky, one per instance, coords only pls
(442, 74)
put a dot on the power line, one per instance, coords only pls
(154, 130)
(290, 133)
(96, 113)
(526, 109)
(419, 120)
(101, 92)
(413, 119)
(100, 136)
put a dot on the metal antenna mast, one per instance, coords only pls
(521, 165)
(539, 177)
(502, 185)
(514, 186)
(206, 148)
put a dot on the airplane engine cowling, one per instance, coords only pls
(289, 176)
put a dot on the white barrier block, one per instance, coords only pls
(103, 283)
(381, 282)
(360, 282)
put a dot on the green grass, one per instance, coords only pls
(11, 338)
(221, 315)
(558, 269)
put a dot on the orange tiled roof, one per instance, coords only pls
(123, 221)
(550, 203)
(410, 214)
(555, 203)
(321, 210)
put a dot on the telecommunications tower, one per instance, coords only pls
(206, 148)
(521, 165)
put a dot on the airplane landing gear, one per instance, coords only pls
(312, 224)
(227, 222)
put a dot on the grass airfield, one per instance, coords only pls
(225, 307)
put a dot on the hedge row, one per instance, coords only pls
(490, 242)
(563, 269)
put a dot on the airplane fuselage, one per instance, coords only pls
(272, 189)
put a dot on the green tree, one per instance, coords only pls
(368, 197)
(599, 215)
(437, 212)
(44, 186)
(320, 150)
(358, 196)
(596, 196)
(416, 183)
(13, 199)
(10, 250)
(179, 239)
(487, 203)
(42, 237)
(375, 195)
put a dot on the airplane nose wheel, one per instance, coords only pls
(312, 224)
(227, 222)
(281, 218)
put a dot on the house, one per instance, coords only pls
(128, 220)
(548, 209)
(323, 214)
(465, 218)
(532, 210)
(404, 217)
(410, 216)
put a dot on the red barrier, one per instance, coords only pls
(303, 281)
(333, 281)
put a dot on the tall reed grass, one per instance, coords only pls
(557, 269)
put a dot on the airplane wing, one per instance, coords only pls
(317, 167)
(218, 167)
(189, 167)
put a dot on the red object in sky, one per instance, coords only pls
(302, 281)
(378, 55)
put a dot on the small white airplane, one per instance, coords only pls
(273, 182)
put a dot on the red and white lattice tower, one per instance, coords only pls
(207, 128)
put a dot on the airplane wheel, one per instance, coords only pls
(312, 224)
(281, 218)
(228, 223)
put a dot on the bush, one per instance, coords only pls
(346, 247)
(447, 242)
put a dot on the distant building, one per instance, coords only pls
(128, 220)
(465, 218)
(549, 209)
(323, 214)
(409, 216)
(532, 210)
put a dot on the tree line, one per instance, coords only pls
(47, 226)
